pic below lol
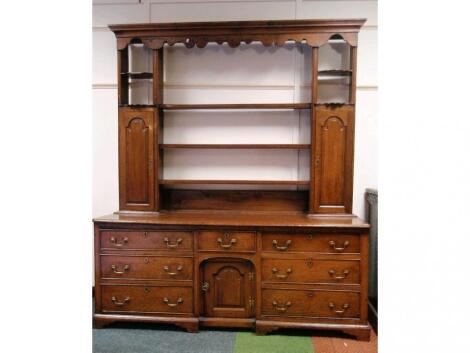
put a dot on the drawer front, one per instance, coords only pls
(310, 271)
(310, 303)
(324, 243)
(147, 267)
(147, 299)
(227, 241)
(146, 240)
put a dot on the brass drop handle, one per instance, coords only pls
(282, 308)
(167, 270)
(282, 248)
(172, 305)
(333, 245)
(172, 246)
(340, 311)
(114, 241)
(281, 276)
(226, 246)
(333, 274)
(124, 269)
(125, 301)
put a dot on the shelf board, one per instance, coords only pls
(232, 182)
(138, 75)
(236, 106)
(335, 72)
(236, 146)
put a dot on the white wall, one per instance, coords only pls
(224, 75)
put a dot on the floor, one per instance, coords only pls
(330, 344)
(146, 338)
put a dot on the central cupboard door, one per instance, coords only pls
(228, 287)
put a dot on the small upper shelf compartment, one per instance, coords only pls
(136, 76)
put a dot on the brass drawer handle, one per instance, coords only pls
(172, 305)
(226, 246)
(333, 274)
(117, 243)
(172, 246)
(282, 308)
(124, 269)
(340, 311)
(281, 276)
(333, 245)
(282, 248)
(167, 270)
(125, 301)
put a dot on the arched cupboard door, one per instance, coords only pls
(333, 159)
(137, 159)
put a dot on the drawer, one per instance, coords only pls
(310, 303)
(227, 241)
(308, 242)
(146, 267)
(147, 299)
(310, 271)
(146, 240)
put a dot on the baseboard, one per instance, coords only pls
(373, 317)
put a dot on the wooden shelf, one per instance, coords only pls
(232, 182)
(237, 146)
(138, 75)
(236, 106)
(335, 73)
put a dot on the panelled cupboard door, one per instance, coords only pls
(137, 159)
(228, 287)
(333, 159)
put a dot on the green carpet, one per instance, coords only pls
(247, 342)
(169, 340)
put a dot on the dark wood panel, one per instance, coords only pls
(243, 200)
(333, 159)
(228, 288)
(310, 303)
(146, 267)
(137, 159)
(147, 299)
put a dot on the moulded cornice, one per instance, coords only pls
(314, 32)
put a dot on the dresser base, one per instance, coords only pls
(360, 332)
(189, 324)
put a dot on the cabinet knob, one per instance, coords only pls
(124, 269)
(282, 308)
(338, 311)
(172, 246)
(228, 245)
(279, 275)
(167, 270)
(118, 243)
(283, 247)
(332, 244)
(333, 274)
(172, 305)
(118, 303)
